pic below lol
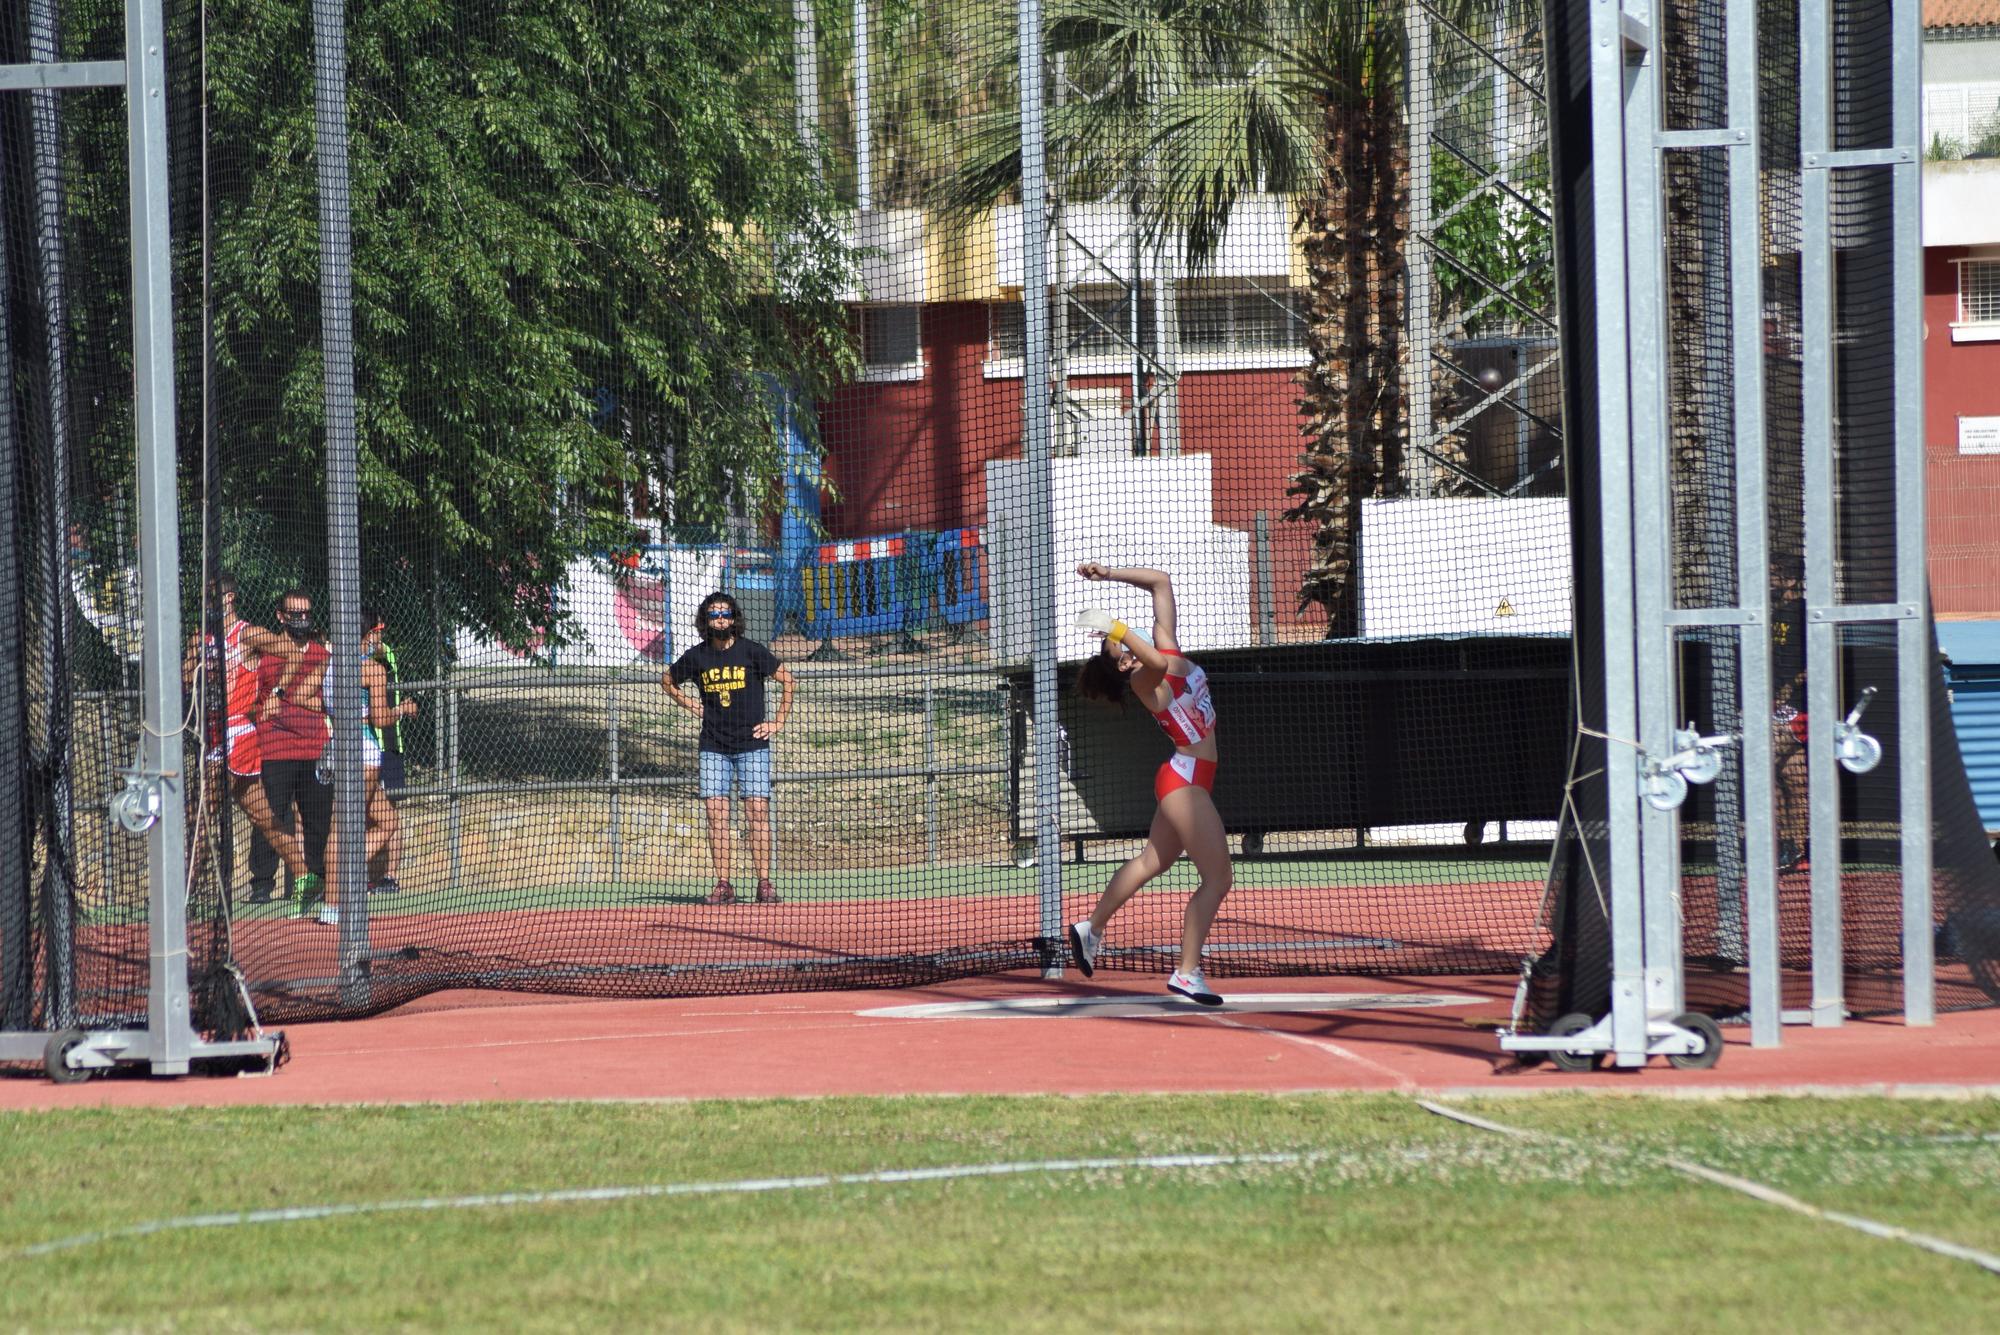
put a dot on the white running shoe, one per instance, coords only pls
(1083, 944)
(1194, 987)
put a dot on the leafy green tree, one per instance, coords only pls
(586, 242)
(583, 234)
(931, 67)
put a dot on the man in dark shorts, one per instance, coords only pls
(292, 735)
(735, 748)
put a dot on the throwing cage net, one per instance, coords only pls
(1867, 939)
(508, 334)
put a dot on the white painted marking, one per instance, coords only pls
(1403, 1083)
(1753, 1189)
(1126, 1007)
(746, 1186)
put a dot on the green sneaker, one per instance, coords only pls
(308, 893)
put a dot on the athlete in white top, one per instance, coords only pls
(377, 811)
(1186, 821)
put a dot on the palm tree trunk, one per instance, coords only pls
(1351, 394)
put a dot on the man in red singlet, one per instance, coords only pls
(292, 733)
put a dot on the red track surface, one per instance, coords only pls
(464, 1047)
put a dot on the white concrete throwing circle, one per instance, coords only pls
(1136, 1007)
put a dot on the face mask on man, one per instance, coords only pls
(298, 625)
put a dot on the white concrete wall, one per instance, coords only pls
(1124, 512)
(1257, 244)
(1962, 203)
(891, 269)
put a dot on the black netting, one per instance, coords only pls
(746, 326)
(73, 906)
(1574, 973)
(506, 334)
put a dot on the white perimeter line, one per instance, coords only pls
(745, 1186)
(1404, 1084)
(1757, 1191)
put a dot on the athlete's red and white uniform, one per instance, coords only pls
(244, 756)
(1188, 719)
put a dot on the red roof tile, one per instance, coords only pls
(1961, 13)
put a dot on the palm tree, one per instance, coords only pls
(1185, 106)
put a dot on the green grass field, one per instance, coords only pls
(1396, 1219)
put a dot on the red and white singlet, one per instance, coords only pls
(1190, 715)
(239, 731)
(242, 680)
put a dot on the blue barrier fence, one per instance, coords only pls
(874, 586)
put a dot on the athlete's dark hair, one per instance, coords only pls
(1100, 679)
(701, 611)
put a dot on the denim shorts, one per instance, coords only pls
(744, 774)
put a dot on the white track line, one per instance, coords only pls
(1756, 1191)
(744, 1186)
(1404, 1084)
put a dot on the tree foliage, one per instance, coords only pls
(583, 233)
(586, 244)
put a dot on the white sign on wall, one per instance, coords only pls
(1122, 511)
(1465, 566)
(1979, 435)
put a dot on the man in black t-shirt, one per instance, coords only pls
(729, 672)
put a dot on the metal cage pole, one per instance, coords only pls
(1420, 335)
(1652, 494)
(1039, 562)
(1914, 662)
(343, 564)
(1817, 370)
(1608, 96)
(1753, 552)
(162, 765)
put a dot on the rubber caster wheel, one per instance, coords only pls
(1475, 833)
(55, 1057)
(1573, 1023)
(1253, 845)
(1710, 1051)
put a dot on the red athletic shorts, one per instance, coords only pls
(1184, 772)
(245, 757)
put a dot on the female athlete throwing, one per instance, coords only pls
(1176, 692)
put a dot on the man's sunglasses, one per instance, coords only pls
(719, 614)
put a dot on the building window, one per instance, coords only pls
(1006, 333)
(1221, 328)
(1100, 325)
(892, 342)
(1979, 291)
(1242, 321)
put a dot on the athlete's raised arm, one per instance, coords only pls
(1156, 582)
